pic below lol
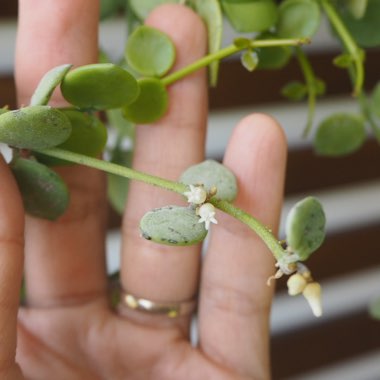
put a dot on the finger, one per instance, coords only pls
(165, 149)
(235, 300)
(64, 259)
(11, 267)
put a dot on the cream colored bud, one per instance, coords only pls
(312, 293)
(296, 284)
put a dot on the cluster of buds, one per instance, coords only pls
(198, 196)
(302, 282)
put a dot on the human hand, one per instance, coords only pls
(68, 330)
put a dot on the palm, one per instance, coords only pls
(68, 331)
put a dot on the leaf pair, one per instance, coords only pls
(176, 225)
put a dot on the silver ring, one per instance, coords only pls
(170, 309)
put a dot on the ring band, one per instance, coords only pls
(170, 309)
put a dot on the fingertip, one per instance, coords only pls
(257, 154)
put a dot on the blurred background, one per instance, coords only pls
(345, 342)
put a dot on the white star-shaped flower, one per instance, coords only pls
(207, 215)
(196, 195)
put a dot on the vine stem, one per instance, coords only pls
(348, 42)
(226, 52)
(309, 76)
(262, 231)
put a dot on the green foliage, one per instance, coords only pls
(294, 90)
(375, 100)
(357, 8)
(212, 15)
(4, 110)
(365, 29)
(343, 61)
(249, 60)
(150, 105)
(339, 134)
(43, 191)
(173, 225)
(142, 8)
(34, 127)
(251, 16)
(211, 174)
(47, 85)
(149, 51)
(99, 86)
(88, 137)
(298, 18)
(273, 58)
(305, 227)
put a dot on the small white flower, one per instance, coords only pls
(196, 195)
(296, 284)
(207, 215)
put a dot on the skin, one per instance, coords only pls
(67, 330)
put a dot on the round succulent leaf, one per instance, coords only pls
(99, 86)
(211, 13)
(44, 193)
(273, 58)
(142, 8)
(34, 127)
(211, 173)
(365, 30)
(173, 225)
(48, 83)
(253, 16)
(343, 60)
(305, 227)
(149, 51)
(294, 90)
(298, 18)
(339, 134)
(88, 137)
(150, 105)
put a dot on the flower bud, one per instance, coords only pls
(312, 293)
(296, 284)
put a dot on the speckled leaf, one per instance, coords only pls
(298, 18)
(173, 225)
(211, 13)
(48, 83)
(43, 191)
(340, 134)
(253, 16)
(211, 173)
(34, 127)
(150, 105)
(99, 86)
(305, 227)
(149, 51)
(88, 137)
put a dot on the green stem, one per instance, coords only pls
(227, 51)
(263, 232)
(348, 42)
(114, 169)
(310, 80)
